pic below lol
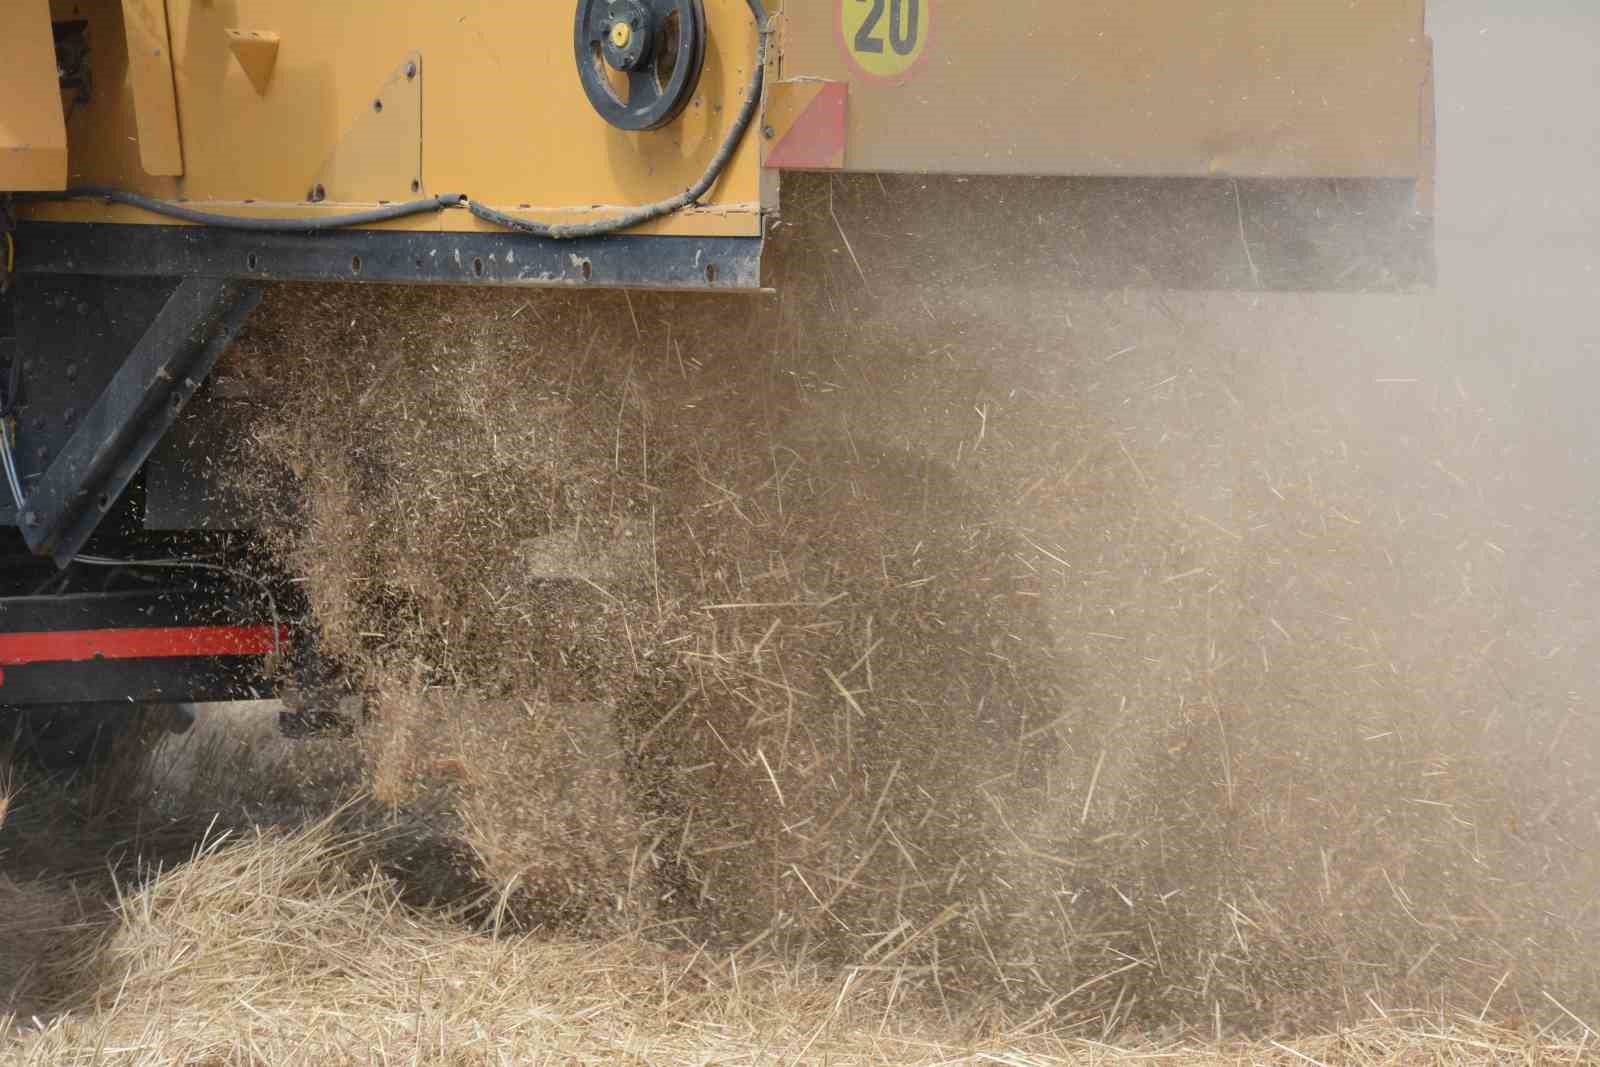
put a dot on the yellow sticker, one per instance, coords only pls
(884, 38)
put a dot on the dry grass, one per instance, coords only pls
(279, 950)
(36, 916)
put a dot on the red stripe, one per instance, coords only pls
(74, 646)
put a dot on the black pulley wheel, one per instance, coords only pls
(640, 60)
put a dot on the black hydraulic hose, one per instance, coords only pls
(649, 212)
(383, 213)
(389, 212)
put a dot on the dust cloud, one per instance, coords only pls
(1206, 656)
(1157, 655)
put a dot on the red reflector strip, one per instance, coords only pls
(76, 646)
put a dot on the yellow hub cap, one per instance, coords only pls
(621, 35)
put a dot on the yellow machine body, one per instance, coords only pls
(493, 109)
(1243, 88)
(33, 134)
(297, 108)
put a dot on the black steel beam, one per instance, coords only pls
(135, 409)
(173, 680)
(404, 256)
(44, 642)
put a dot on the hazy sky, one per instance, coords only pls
(1518, 85)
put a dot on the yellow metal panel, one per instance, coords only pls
(1248, 87)
(33, 136)
(1273, 88)
(380, 156)
(504, 117)
(155, 102)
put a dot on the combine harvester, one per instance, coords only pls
(161, 160)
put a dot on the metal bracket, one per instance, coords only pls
(257, 54)
(132, 414)
(379, 157)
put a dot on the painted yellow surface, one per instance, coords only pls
(155, 100)
(1268, 88)
(33, 136)
(1113, 87)
(379, 157)
(503, 116)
